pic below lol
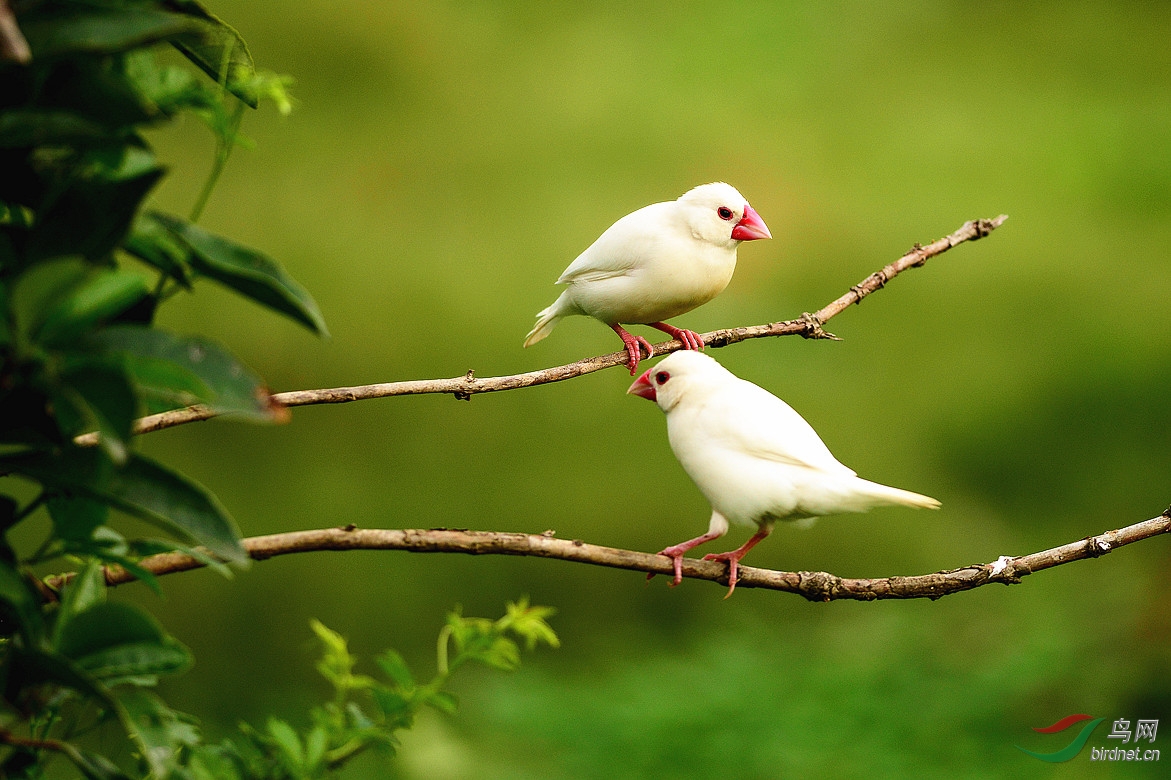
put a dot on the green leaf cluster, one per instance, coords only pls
(84, 267)
(366, 712)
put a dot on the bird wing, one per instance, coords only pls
(619, 250)
(751, 420)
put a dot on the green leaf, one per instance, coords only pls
(217, 49)
(96, 395)
(530, 623)
(142, 487)
(289, 744)
(395, 667)
(29, 668)
(24, 127)
(394, 705)
(93, 213)
(159, 732)
(75, 518)
(502, 653)
(169, 89)
(143, 659)
(85, 590)
(111, 640)
(152, 243)
(20, 602)
(53, 30)
(443, 701)
(247, 271)
(96, 299)
(105, 624)
(316, 744)
(172, 371)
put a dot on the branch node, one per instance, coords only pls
(1004, 570)
(470, 381)
(818, 585)
(1096, 546)
(349, 527)
(813, 329)
(1167, 512)
(917, 249)
(548, 533)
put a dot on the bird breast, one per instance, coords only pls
(666, 280)
(745, 488)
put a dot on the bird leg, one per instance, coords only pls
(677, 552)
(633, 343)
(733, 557)
(690, 339)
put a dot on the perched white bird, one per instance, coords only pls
(656, 263)
(755, 459)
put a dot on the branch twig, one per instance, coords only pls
(13, 46)
(464, 387)
(815, 586)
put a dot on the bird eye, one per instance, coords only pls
(662, 377)
(724, 212)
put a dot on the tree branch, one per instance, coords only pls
(815, 586)
(464, 387)
(13, 46)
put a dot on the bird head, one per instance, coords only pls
(717, 213)
(683, 374)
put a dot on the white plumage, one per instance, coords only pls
(656, 263)
(755, 459)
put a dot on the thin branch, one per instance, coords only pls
(464, 387)
(815, 586)
(13, 46)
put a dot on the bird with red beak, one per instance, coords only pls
(657, 263)
(755, 459)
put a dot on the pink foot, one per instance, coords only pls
(733, 557)
(733, 560)
(676, 553)
(689, 338)
(633, 343)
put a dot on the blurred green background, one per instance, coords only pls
(447, 160)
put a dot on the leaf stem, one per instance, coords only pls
(225, 142)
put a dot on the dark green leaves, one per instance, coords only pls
(217, 49)
(140, 487)
(170, 371)
(82, 274)
(113, 641)
(245, 270)
(77, 28)
(95, 299)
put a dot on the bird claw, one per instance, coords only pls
(733, 561)
(634, 346)
(688, 338)
(676, 557)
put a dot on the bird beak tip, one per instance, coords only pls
(642, 387)
(750, 227)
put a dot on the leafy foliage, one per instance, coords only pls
(366, 712)
(83, 270)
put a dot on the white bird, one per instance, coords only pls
(656, 263)
(752, 456)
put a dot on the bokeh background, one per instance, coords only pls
(447, 160)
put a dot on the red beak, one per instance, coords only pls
(642, 386)
(750, 227)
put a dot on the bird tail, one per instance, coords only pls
(885, 495)
(547, 319)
